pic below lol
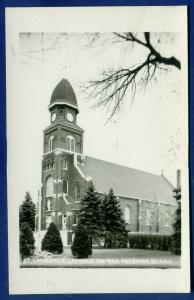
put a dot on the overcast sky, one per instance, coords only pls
(146, 136)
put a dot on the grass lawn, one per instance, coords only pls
(101, 258)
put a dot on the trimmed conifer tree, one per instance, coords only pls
(26, 241)
(81, 247)
(113, 222)
(27, 211)
(176, 237)
(90, 213)
(52, 241)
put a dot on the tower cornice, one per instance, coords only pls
(65, 125)
(62, 102)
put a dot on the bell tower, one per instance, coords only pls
(63, 139)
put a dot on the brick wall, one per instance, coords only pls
(133, 205)
(145, 216)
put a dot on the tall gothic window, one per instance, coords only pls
(51, 143)
(49, 205)
(49, 186)
(65, 186)
(148, 216)
(166, 219)
(48, 221)
(127, 215)
(70, 143)
(65, 164)
(77, 192)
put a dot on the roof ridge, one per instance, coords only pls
(131, 182)
(109, 162)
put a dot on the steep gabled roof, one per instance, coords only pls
(127, 182)
(64, 92)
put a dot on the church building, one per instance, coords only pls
(146, 199)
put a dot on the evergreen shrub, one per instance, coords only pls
(27, 211)
(52, 241)
(81, 247)
(115, 234)
(176, 237)
(26, 241)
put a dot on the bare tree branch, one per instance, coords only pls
(109, 91)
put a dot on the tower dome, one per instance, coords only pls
(63, 94)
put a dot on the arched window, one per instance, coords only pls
(48, 221)
(49, 186)
(70, 143)
(77, 192)
(166, 218)
(65, 186)
(51, 143)
(148, 216)
(61, 113)
(64, 164)
(49, 205)
(127, 215)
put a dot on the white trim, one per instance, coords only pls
(64, 198)
(60, 150)
(57, 181)
(69, 213)
(76, 166)
(63, 103)
(57, 152)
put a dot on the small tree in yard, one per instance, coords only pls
(90, 213)
(52, 240)
(81, 247)
(27, 211)
(176, 237)
(115, 232)
(26, 241)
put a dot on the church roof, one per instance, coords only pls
(127, 182)
(64, 93)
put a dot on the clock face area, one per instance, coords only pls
(70, 117)
(53, 117)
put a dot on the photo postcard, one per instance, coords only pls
(97, 134)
